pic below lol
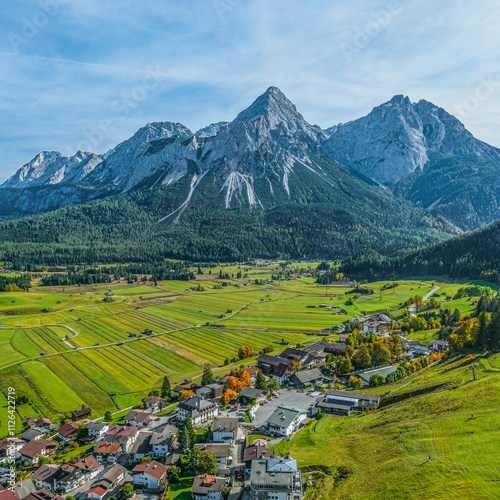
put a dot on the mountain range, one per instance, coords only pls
(405, 175)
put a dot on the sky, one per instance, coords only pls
(88, 74)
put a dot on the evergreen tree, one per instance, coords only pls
(260, 381)
(165, 388)
(207, 377)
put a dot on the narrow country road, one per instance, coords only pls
(426, 297)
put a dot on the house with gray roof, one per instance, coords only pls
(306, 378)
(284, 421)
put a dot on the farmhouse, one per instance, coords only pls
(198, 410)
(343, 337)
(178, 389)
(276, 478)
(83, 413)
(284, 421)
(150, 474)
(276, 366)
(208, 487)
(440, 345)
(306, 378)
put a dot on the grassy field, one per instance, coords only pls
(83, 365)
(427, 415)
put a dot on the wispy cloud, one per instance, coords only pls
(63, 81)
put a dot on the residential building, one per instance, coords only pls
(371, 326)
(198, 410)
(97, 429)
(153, 403)
(249, 394)
(139, 418)
(440, 345)
(306, 378)
(255, 452)
(222, 453)
(24, 488)
(35, 449)
(277, 479)
(43, 495)
(208, 487)
(284, 421)
(68, 431)
(89, 466)
(150, 474)
(224, 429)
(211, 391)
(9, 446)
(163, 440)
(124, 435)
(107, 452)
(34, 433)
(343, 337)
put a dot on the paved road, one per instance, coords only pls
(426, 297)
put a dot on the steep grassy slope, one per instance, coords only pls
(427, 415)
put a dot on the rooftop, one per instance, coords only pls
(283, 417)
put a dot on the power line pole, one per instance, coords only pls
(473, 367)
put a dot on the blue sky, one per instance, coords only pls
(86, 74)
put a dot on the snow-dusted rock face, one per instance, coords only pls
(211, 130)
(51, 167)
(394, 139)
(269, 154)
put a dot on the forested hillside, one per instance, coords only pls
(472, 255)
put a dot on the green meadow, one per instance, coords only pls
(421, 443)
(68, 356)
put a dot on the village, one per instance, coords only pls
(218, 434)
